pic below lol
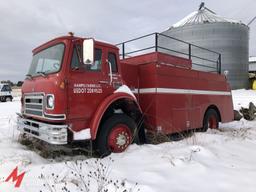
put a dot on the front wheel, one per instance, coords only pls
(211, 120)
(115, 134)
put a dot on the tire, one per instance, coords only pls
(115, 134)
(7, 99)
(3, 99)
(211, 120)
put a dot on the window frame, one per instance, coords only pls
(62, 59)
(94, 60)
(114, 54)
(75, 49)
(83, 67)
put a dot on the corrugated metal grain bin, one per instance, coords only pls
(226, 36)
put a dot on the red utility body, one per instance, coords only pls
(109, 100)
(172, 96)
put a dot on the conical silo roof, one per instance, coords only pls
(201, 16)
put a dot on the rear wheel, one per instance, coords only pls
(8, 99)
(115, 135)
(211, 120)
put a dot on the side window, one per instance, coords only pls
(75, 60)
(112, 60)
(97, 61)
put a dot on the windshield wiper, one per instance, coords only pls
(41, 73)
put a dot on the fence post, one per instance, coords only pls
(189, 51)
(156, 42)
(123, 51)
(219, 64)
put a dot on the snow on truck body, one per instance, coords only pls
(79, 89)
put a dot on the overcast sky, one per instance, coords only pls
(25, 24)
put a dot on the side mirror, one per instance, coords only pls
(88, 51)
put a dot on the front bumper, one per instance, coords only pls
(53, 134)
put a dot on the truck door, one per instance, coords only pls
(88, 86)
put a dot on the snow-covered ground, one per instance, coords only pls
(215, 161)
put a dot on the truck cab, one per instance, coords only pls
(5, 93)
(74, 88)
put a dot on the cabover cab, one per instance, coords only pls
(74, 92)
(175, 98)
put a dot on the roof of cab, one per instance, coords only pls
(58, 39)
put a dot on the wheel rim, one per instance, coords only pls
(119, 138)
(212, 122)
(8, 99)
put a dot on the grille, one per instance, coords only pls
(34, 104)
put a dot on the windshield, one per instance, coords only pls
(47, 61)
(5, 88)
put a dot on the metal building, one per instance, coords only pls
(252, 64)
(226, 36)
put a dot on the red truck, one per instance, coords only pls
(82, 89)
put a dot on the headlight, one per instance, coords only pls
(50, 101)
